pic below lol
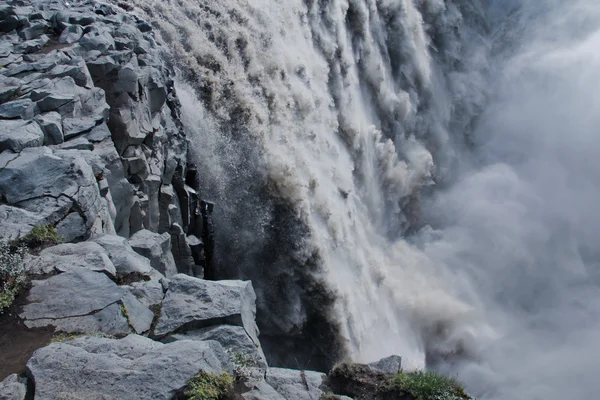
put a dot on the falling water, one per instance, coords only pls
(404, 176)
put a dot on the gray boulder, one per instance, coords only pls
(51, 124)
(34, 30)
(295, 385)
(234, 339)
(263, 391)
(134, 367)
(71, 34)
(16, 222)
(194, 303)
(76, 126)
(51, 186)
(390, 365)
(85, 301)
(18, 135)
(22, 108)
(157, 248)
(69, 256)
(126, 261)
(149, 293)
(31, 46)
(13, 387)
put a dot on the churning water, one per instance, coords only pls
(418, 177)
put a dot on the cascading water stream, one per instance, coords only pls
(403, 176)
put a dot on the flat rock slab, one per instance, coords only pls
(85, 301)
(69, 256)
(192, 303)
(134, 367)
(233, 338)
(126, 261)
(294, 384)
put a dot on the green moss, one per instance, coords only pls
(429, 386)
(205, 386)
(65, 337)
(44, 235)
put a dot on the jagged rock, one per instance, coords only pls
(64, 104)
(81, 300)
(194, 303)
(76, 126)
(71, 34)
(149, 293)
(157, 248)
(73, 227)
(135, 163)
(18, 135)
(63, 86)
(17, 109)
(7, 92)
(139, 316)
(34, 30)
(134, 367)
(295, 385)
(79, 143)
(234, 339)
(93, 105)
(51, 186)
(100, 40)
(8, 19)
(98, 134)
(263, 391)
(51, 124)
(13, 387)
(182, 253)
(16, 222)
(76, 69)
(389, 365)
(68, 256)
(126, 261)
(31, 46)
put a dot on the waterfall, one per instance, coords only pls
(403, 176)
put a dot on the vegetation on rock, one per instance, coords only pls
(429, 386)
(12, 273)
(362, 383)
(44, 235)
(205, 386)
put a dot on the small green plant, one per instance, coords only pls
(429, 386)
(242, 365)
(12, 273)
(65, 337)
(205, 386)
(44, 235)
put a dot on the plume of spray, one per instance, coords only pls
(517, 231)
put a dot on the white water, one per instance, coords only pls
(361, 103)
